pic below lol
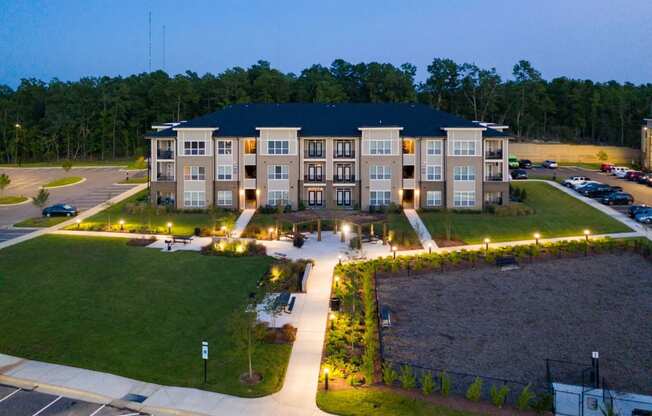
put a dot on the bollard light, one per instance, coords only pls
(394, 248)
(326, 378)
(169, 224)
(486, 244)
(537, 236)
(337, 281)
(429, 248)
(122, 225)
(270, 231)
(331, 317)
(78, 221)
(339, 258)
(587, 233)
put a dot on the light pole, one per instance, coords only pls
(78, 221)
(326, 378)
(537, 236)
(339, 258)
(394, 248)
(122, 225)
(486, 244)
(18, 127)
(169, 224)
(429, 248)
(270, 231)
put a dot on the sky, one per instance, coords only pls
(588, 39)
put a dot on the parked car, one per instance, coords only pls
(645, 179)
(636, 209)
(585, 185)
(619, 171)
(513, 162)
(519, 174)
(599, 190)
(525, 164)
(633, 175)
(550, 164)
(575, 180)
(616, 188)
(66, 210)
(606, 167)
(617, 198)
(644, 216)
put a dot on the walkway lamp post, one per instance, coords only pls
(429, 248)
(587, 233)
(345, 230)
(339, 258)
(537, 236)
(78, 221)
(122, 225)
(270, 231)
(331, 317)
(394, 248)
(326, 378)
(486, 244)
(337, 281)
(169, 224)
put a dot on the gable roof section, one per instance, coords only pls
(328, 120)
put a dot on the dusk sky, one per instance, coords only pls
(595, 39)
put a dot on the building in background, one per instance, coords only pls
(329, 156)
(646, 144)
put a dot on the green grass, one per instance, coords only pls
(370, 401)
(69, 180)
(97, 303)
(183, 223)
(404, 235)
(127, 163)
(142, 179)
(41, 222)
(6, 200)
(557, 215)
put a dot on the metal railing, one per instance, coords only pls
(314, 154)
(344, 178)
(313, 178)
(164, 178)
(164, 154)
(493, 178)
(344, 154)
(493, 154)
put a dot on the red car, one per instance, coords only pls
(633, 175)
(606, 167)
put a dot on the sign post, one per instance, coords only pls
(204, 356)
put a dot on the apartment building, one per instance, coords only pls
(329, 156)
(646, 144)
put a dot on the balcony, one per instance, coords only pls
(313, 178)
(493, 154)
(164, 154)
(344, 179)
(162, 177)
(314, 154)
(344, 154)
(249, 159)
(409, 159)
(409, 183)
(249, 183)
(494, 178)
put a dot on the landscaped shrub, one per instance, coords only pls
(524, 399)
(389, 374)
(406, 377)
(474, 392)
(285, 275)
(355, 243)
(499, 395)
(298, 240)
(444, 383)
(427, 384)
(514, 209)
(234, 248)
(543, 403)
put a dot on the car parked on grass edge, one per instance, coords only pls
(617, 198)
(636, 209)
(518, 174)
(65, 210)
(525, 164)
(550, 164)
(606, 167)
(644, 216)
(575, 180)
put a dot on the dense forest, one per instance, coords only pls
(105, 117)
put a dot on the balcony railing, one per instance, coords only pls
(493, 154)
(164, 178)
(164, 154)
(313, 178)
(314, 154)
(344, 178)
(344, 154)
(493, 178)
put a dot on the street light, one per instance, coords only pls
(169, 224)
(122, 225)
(394, 248)
(326, 378)
(537, 236)
(486, 244)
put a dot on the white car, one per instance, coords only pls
(620, 171)
(575, 180)
(550, 164)
(581, 184)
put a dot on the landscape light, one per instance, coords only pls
(429, 248)
(122, 225)
(537, 236)
(587, 233)
(394, 248)
(331, 317)
(486, 243)
(340, 258)
(325, 378)
(337, 280)
(17, 125)
(78, 221)
(169, 224)
(346, 228)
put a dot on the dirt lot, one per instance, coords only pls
(505, 324)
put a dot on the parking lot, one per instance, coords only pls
(98, 187)
(19, 402)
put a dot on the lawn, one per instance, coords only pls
(69, 180)
(138, 218)
(138, 180)
(371, 401)
(41, 222)
(97, 303)
(8, 200)
(556, 215)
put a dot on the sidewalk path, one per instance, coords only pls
(420, 228)
(242, 222)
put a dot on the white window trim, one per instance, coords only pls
(437, 202)
(377, 146)
(441, 173)
(470, 171)
(271, 172)
(270, 141)
(191, 174)
(224, 202)
(224, 142)
(374, 196)
(190, 202)
(206, 147)
(374, 173)
(436, 145)
(285, 197)
(463, 199)
(464, 151)
(217, 172)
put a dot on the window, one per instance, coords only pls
(194, 199)
(224, 172)
(379, 198)
(194, 173)
(464, 148)
(344, 197)
(315, 149)
(224, 147)
(464, 173)
(433, 147)
(194, 147)
(225, 198)
(276, 198)
(278, 147)
(464, 199)
(277, 172)
(380, 147)
(433, 198)
(433, 173)
(380, 172)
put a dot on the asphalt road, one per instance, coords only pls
(18, 402)
(97, 188)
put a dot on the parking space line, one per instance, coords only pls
(9, 395)
(98, 410)
(51, 403)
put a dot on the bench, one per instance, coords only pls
(181, 239)
(507, 263)
(385, 317)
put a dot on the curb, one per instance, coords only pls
(64, 186)
(28, 200)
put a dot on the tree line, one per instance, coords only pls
(106, 117)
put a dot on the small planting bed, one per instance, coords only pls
(67, 181)
(41, 222)
(11, 200)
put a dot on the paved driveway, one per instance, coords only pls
(97, 188)
(18, 402)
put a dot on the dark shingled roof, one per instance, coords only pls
(330, 120)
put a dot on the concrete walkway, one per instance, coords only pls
(242, 222)
(420, 228)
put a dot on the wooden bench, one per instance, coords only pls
(507, 263)
(181, 239)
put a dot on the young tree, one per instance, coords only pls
(66, 165)
(4, 182)
(246, 333)
(41, 198)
